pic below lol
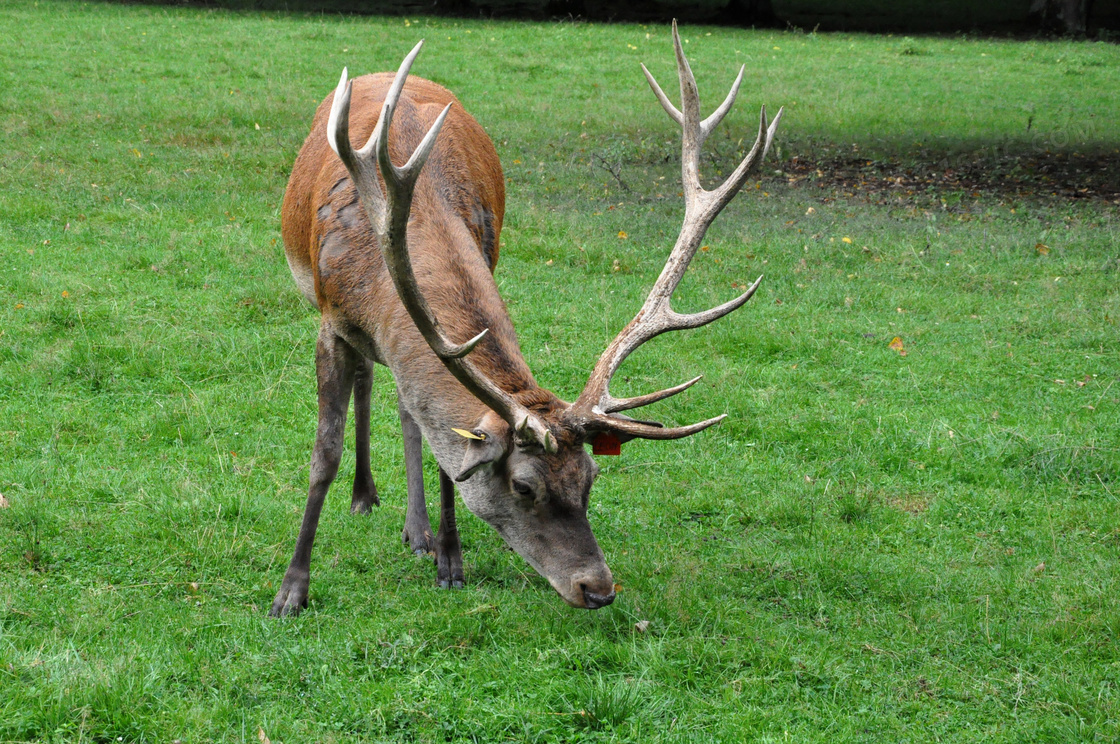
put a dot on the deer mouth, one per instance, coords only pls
(585, 594)
(593, 601)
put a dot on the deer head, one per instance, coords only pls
(524, 467)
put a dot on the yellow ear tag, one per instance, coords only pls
(467, 434)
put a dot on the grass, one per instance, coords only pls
(872, 546)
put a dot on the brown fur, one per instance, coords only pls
(457, 210)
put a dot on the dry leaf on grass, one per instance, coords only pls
(896, 344)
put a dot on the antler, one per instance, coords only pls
(592, 410)
(388, 212)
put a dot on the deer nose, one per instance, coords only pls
(594, 601)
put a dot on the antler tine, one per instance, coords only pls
(389, 212)
(713, 121)
(640, 430)
(695, 320)
(338, 125)
(612, 405)
(670, 109)
(595, 404)
(727, 190)
(389, 106)
(692, 133)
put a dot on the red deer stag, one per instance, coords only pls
(399, 261)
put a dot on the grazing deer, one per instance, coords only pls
(399, 261)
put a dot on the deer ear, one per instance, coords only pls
(486, 444)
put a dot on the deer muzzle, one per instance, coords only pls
(588, 590)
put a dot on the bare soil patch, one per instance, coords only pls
(1064, 176)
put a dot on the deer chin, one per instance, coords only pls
(579, 594)
(582, 579)
(588, 589)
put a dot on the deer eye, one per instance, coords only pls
(522, 488)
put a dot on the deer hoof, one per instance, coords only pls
(292, 597)
(363, 501)
(449, 568)
(421, 544)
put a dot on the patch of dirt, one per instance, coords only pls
(1047, 176)
(911, 503)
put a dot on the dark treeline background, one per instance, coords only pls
(1097, 18)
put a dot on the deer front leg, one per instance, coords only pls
(417, 532)
(449, 554)
(335, 363)
(364, 496)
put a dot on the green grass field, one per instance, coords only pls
(872, 547)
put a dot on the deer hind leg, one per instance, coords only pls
(417, 532)
(335, 365)
(364, 496)
(449, 554)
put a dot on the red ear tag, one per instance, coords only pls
(606, 443)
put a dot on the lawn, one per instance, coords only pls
(906, 529)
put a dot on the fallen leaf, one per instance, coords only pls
(3, 502)
(810, 210)
(641, 626)
(548, 262)
(705, 248)
(262, 737)
(846, 240)
(1040, 567)
(65, 293)
(622, 235)
(896, 344)
(1042, 248)
(193, 587)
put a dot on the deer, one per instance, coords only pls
(399, 261)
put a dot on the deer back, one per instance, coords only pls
(463, 180)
